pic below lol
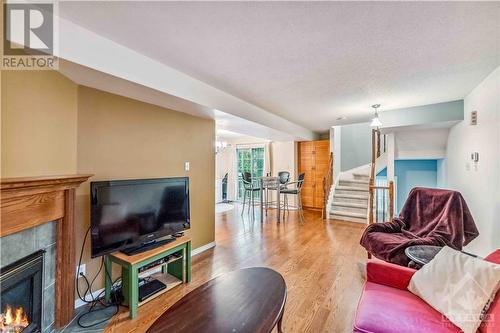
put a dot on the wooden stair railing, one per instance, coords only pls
(327, 185)
(381, 197)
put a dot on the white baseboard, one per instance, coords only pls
(198, 250)
(203, 248)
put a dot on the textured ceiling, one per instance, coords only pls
(312, 62)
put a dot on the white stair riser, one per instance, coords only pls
(349, 204)
(349, 209)
(353, 184)
(350, 214)
(352, 192)
(353, 200)
(361, 177)
(347, 218)
(355, 181)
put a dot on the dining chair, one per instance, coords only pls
(283, 179)
(249, 187)
(224, 188)
(295, 190)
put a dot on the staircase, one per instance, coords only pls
(355, 197)
(350, 198)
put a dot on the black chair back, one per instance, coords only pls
(300, 180)
(224, 188)
(284, 177)
(247, 180)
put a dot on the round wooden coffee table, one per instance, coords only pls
(247, 300)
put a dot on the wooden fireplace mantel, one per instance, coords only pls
(30, 201)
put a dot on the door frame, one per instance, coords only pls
(235, 166)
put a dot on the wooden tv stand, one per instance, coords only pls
(173, 273)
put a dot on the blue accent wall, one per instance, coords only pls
(410, 174)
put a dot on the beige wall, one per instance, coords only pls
(39, 115)
(120, 138)
(51, 126)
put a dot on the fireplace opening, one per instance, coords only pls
(21, 295)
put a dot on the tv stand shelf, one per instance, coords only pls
(173, 273)
(169, 280)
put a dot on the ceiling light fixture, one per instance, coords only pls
(220, 146)
(375, 121)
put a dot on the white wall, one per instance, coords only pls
(283, 156)
(336, 148)
(421, 143)
(479, 184)
(356, 147)
(224, 160)
(441, 173)
(423, 115)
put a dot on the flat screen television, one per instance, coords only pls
(128, 213)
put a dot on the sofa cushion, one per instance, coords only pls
(491, 323)
(457, 285)
(383, 309)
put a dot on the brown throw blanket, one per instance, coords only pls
(429, 217)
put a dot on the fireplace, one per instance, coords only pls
(21, 286)
(27, 204)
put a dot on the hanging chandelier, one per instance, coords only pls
(375, 121)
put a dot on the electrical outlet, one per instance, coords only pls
(186, 166)
(82, 271)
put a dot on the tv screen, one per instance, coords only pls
(126, 213)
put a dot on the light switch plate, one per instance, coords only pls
(186, 166)
(473, 118)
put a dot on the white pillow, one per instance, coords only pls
(457, 285)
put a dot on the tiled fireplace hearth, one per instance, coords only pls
(37, 232)
(35, 293)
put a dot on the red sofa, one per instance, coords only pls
(386, 306)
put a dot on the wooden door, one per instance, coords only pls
(313, 158)
(306, 165)
(321, 161)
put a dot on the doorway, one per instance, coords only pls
(249, 160)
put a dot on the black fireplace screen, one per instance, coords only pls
(21, 295)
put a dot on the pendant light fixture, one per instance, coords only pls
(375, 121)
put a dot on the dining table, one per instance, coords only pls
(269, 183)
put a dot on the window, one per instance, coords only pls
(249, 160)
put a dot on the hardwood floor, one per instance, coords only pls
(319, 260)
